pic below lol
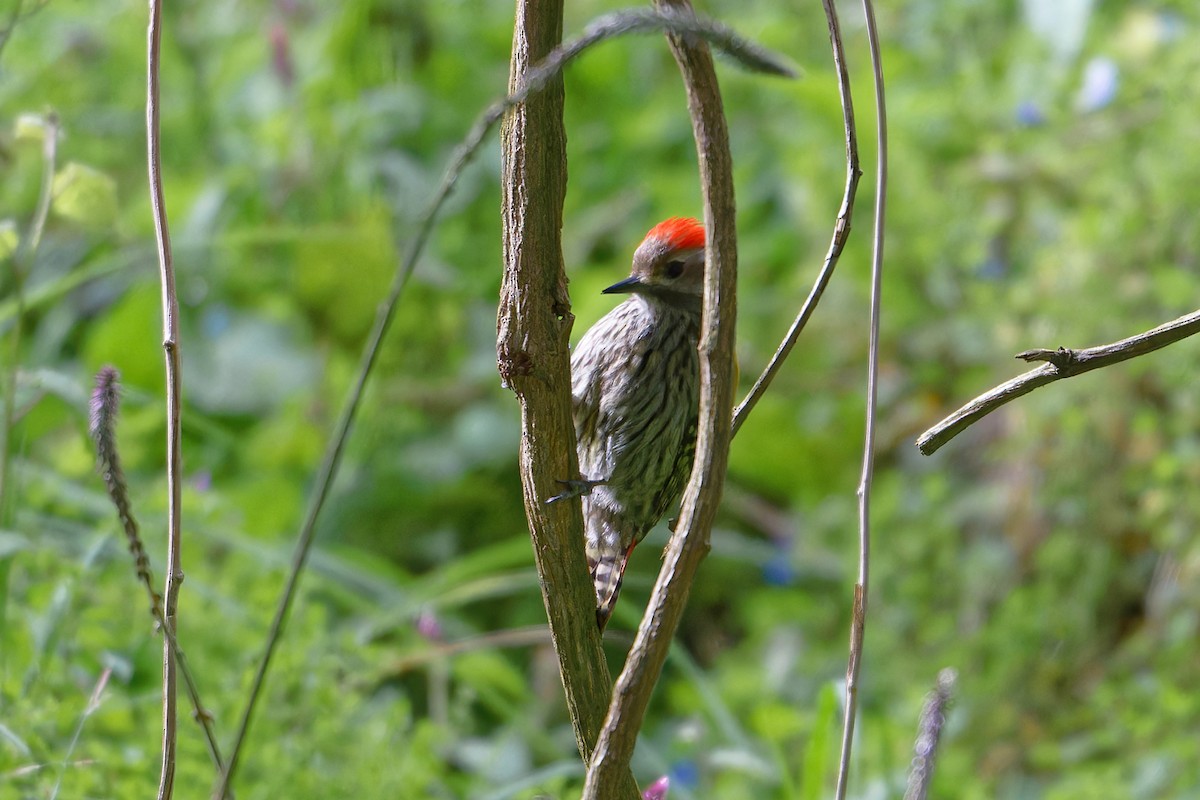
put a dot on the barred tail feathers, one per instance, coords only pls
(608, 571)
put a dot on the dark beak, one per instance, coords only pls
(627, 286)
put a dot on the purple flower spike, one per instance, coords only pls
(428, 625)
(658, 789)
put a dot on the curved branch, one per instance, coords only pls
(841, 227)
(1060, 363)
(690, 543)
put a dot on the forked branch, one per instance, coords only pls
(1061, 363)
(533, 357)
(534, 80)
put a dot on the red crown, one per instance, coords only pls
(682, 233)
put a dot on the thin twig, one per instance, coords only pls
(690, 543)
(659, 20)
(607, 27)
(494, 640)
(21, 264)
(170, 311)
(1061, 363)
(841, 227)
(102, 419)
(929, 734)
(859, 611)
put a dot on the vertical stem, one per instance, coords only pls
(690, 543)
(533, 355)
(170, 311)
(859, 613)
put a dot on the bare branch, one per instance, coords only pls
(495, 640)
(533, 357)
(170, 311)
(659, 20)
(1061, 363)
(841, 227)
(859, 612)
(690, 543)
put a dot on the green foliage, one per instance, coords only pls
(1041, 194)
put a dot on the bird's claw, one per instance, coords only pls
(580, 487)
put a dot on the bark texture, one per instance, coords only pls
(533, 356)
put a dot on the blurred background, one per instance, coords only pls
(1043, 192)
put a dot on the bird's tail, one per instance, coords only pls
(608, 570)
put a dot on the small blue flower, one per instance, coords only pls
(1030, 114)
(216, 321)
(1101, 77)
(778, 571)
(685, 773)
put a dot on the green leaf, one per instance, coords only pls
(9, 238)
(816, 754)
(85, 195)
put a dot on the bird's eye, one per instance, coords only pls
(674, 268)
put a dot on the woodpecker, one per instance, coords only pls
(635, 385)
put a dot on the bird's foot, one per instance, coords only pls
(580, 487)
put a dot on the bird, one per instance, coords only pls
(635, 387)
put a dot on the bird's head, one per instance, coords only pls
(668, 264)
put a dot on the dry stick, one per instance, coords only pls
(1061, 363)
(533, 356)
(102, 425)
(496, 640)
(690, 543)
(170, 311)
(859, 612)
(607, 27)
(929, 733)
(841, 228)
